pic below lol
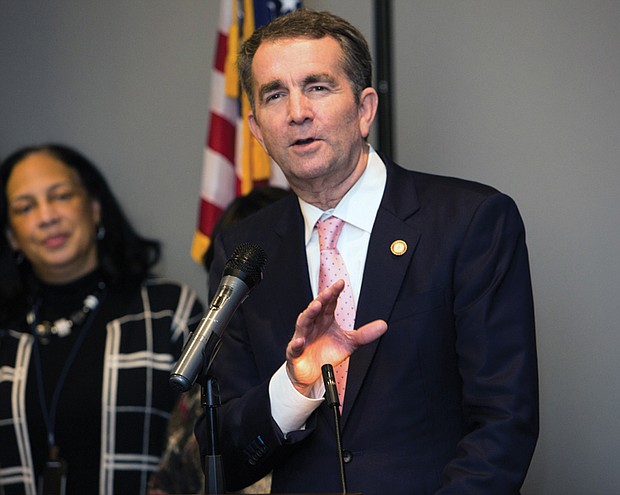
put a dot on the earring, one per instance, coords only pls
(100, 232)
(18, 256)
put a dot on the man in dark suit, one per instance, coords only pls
(441, 393)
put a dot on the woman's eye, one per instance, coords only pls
(63, 196)
(21, 209)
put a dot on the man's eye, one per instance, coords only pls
(275, 96)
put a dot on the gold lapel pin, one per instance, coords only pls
(398, 247)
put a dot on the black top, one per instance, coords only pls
(116, 389)
(79, 407)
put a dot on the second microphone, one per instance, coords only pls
(243, 270)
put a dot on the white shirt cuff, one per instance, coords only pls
(289, 408)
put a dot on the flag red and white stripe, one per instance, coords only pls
(233, 161)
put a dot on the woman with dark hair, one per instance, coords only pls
(87, 335)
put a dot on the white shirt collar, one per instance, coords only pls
(359, 205)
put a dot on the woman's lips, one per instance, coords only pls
(55, 241)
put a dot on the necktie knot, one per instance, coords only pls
(329, 231)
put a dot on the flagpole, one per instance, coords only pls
(383, 57)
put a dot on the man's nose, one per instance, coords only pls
(300, 108)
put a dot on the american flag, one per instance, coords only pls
(233, 162)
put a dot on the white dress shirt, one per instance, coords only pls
(358, 208)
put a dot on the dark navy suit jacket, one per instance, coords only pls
(446, 401)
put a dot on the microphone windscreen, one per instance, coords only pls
(248, 259)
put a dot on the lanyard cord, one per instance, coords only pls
(49, 414)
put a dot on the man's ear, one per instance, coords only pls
(255, 128)
(369, 101)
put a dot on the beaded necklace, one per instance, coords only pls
(61, 327)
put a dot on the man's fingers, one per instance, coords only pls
(296, 347)
(324, 305)
(369, 332)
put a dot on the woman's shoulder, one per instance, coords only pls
(168, 292)
(156, 283)
(14, 345)
(158, 293)
(13, 333)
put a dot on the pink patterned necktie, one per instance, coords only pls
(333, 269)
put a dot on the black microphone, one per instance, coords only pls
(243, 270)
(331, 391)
(331, 397)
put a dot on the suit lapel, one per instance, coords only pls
(384, 271)
(290, 287)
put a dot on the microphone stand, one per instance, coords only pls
(243, 270)
(211, 401)
(331, 396)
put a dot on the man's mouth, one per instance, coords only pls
(301, 142)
